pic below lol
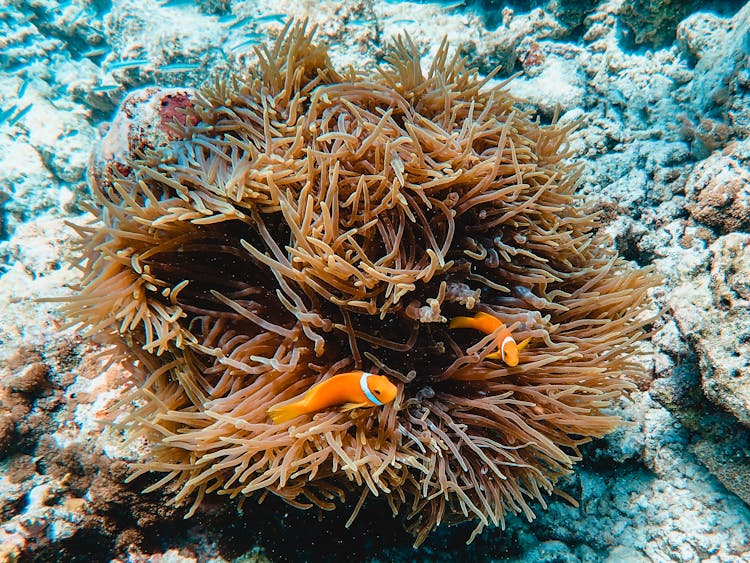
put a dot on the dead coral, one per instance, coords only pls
(311, 221)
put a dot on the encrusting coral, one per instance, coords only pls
(309, 222)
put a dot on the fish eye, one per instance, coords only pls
(377, 391)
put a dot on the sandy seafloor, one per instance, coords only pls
(662, 89)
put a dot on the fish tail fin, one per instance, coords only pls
(462, 322)
(481, 321)
(283, 413)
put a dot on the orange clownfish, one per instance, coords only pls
(353, 390)
(508, 350)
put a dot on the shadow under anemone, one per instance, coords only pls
(309, 221)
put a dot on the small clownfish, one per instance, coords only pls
(508, 349)
(353, 390)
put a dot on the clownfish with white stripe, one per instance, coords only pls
(508, 349)
(351, 390)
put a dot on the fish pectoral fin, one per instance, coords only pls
(346, 407)
(523, 344)
(494, 356)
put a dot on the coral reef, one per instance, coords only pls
(306, 221)
(660, 131)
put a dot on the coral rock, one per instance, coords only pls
(148, 119)
(718, 189)
(719, 71)
(699, 33)
(713, 312)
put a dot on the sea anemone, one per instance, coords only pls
(308, 221)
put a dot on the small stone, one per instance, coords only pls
(32, 379)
